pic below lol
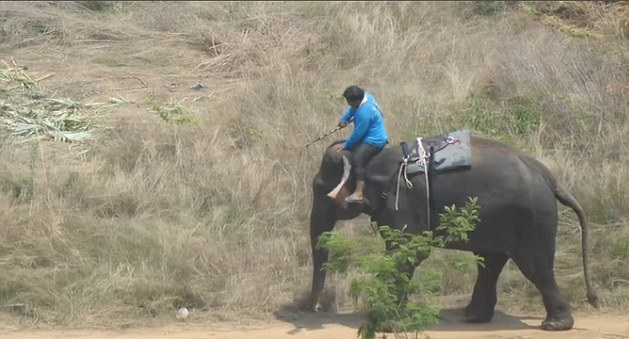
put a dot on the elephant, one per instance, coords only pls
(516, 195)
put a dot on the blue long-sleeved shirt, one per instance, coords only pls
(368, 124)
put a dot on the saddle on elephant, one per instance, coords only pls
(451, 150)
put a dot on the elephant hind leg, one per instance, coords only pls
(539, 270)
(484, 297)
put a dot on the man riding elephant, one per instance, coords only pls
(517, 197)
(368, 137)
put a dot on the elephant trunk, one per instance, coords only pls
(322, 219)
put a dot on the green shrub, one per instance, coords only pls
(384, 288)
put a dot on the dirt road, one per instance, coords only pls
(338, 326)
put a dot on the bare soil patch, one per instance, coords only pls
(315, 326)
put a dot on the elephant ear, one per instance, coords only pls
(347, 167)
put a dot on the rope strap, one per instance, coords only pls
(422, 158)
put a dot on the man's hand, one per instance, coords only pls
(338, 147)
(342, 124)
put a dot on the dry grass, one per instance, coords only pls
(212, 212)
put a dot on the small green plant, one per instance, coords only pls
(529, 9)
(479, 117)
(244, 134)
(489, 8)
(334, 96)
(98, 6)
(520, 119)
(120, 100)
(456, 224)
(173, 112)
(524, 121)
(384, 288)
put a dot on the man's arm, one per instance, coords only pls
(346, 117)
(361, 125)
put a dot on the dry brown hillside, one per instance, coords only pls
(152, 152)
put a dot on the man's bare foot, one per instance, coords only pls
(354, 198)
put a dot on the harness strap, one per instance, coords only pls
(422, 158)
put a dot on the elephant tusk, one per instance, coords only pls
(346, 169)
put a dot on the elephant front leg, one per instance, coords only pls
(322, 219)
(484, 297)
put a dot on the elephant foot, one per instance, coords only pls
(317, 302)
(352, 199)
(322, 303)
(309, 305)
(477, 316)
(558, 324)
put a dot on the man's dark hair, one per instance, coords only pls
(354, 93)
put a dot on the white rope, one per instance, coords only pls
(422, 158)
(409, 184)
(397, 194)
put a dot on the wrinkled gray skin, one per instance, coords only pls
(517, 208)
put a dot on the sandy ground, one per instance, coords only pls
(337, 326)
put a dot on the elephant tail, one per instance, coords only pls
(567, 199)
